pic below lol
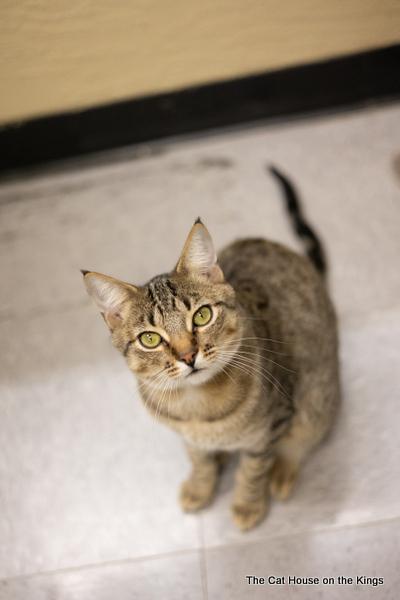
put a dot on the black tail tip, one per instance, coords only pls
(84, 272)
(274, 171)
(314, 248)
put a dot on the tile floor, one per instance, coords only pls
(88, 481)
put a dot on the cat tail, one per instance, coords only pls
(314, 248)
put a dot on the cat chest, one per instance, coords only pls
(232, 430)
(221, 436)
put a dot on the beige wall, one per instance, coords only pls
(59, 55)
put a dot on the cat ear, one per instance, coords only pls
(109, 294)
(198, 254)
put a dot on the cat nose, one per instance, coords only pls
(188, 357)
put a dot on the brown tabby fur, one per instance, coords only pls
(269, 385)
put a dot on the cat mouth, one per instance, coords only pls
(194, 371)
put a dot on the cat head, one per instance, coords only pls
(180, 328)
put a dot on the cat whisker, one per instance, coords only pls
(154, 390)
(150, 384)
(173, 397)
(265, 339)
(154, 379)
(161, 398)
(156, 385)
(224, 370)
(245, 354)
(251, 370)
(168, 399)
(169, 387)
(258, 369)
(225, 363)
(251, 318)
(260, 348)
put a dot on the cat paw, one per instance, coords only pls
(247, 516)
(194, 497)
(282, 479)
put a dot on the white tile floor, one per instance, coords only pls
(88, 481)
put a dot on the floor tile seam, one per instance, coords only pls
(306, 532)
(101, 565)
(193, 551)
(202, 558)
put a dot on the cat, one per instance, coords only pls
(238, 355)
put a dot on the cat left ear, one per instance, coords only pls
(198, 255)
(109, 294)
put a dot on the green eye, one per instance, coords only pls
(150, 339)
(202, 316)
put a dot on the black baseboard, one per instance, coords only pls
(337, 83)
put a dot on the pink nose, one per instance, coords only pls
(188, 357)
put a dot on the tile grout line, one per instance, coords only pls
(102, 565)
(202, 557)
(238, 543)
(198, 550)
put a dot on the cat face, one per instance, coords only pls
(174, 329)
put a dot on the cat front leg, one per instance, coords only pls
(251, 494)
(198, 490)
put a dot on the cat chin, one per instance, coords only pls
(201, 376)
(198, 377)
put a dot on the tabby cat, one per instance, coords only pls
(237, 354)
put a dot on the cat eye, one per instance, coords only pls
(150, 339)
(202, 316)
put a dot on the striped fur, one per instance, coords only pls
(260, 378)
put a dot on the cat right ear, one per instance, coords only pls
(109, 295)
(198, 254)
